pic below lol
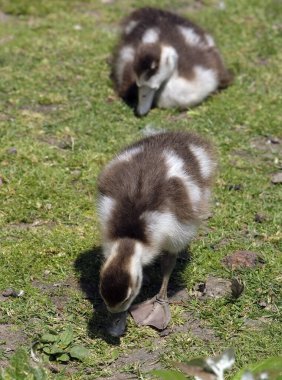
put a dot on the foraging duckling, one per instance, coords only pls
(167, 61)
(152, 198)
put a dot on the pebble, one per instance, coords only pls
(276, 178)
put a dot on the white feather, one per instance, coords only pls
(210, 40)
(130, 26)
(151, 36)
(105, 208)
(168, 63)
(129, 154)
(166, 233)
(182, 93)
(175, 167)
(191, 37)
(205, 162)
(126, 55)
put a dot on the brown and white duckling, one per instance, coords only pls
(152, 197)
(165, 60)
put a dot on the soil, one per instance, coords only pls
(276, 178)
(242, 259)
(10, 339)
(35, 224)
(215, 287)
(58, 292)
(149, 360)
(64, 143)
(267, 144)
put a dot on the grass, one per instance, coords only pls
(60, 122)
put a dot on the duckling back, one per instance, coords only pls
(157, 191)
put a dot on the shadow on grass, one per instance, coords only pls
(87, 266)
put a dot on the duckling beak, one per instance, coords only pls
(118, 324)
(145, 100)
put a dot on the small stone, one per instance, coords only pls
(111, 99)
(256, 323)
(65, 144)
(48, 206)
(274, 140)
(165, 332)
(3, 298)
(8, 292)
(12, 293)
(236, 187)
(180, 296)
(12, 150)
(263, 304)
(77, 27)
(259, 218)
(221, 5)
(76, 173)
(276, 178)
(214, 287)
(242, 259)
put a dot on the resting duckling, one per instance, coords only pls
(152, 198)
(165, 60)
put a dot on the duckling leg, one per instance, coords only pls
(155, 312)
(168, 263)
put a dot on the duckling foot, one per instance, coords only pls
(154, 312)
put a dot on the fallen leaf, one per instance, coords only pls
(63, 358)
(196, 371)
(49, 338)
(66, 337)
(79, 352)
(236, 288)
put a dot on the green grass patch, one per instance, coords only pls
(60, 122)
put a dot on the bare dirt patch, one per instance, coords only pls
(4, 17)
(242, 259)
(43, 108)
(11, 338)
(35, 224)
(63, 143)
(276, 178)
(267, 145)
(58, 292)
(6, 39)
(148, 360)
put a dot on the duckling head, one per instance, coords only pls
(121, 275)
(154, 64)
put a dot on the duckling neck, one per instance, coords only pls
(169, 59)
(144, 254)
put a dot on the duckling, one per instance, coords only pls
(152, 198)
(165, 60)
